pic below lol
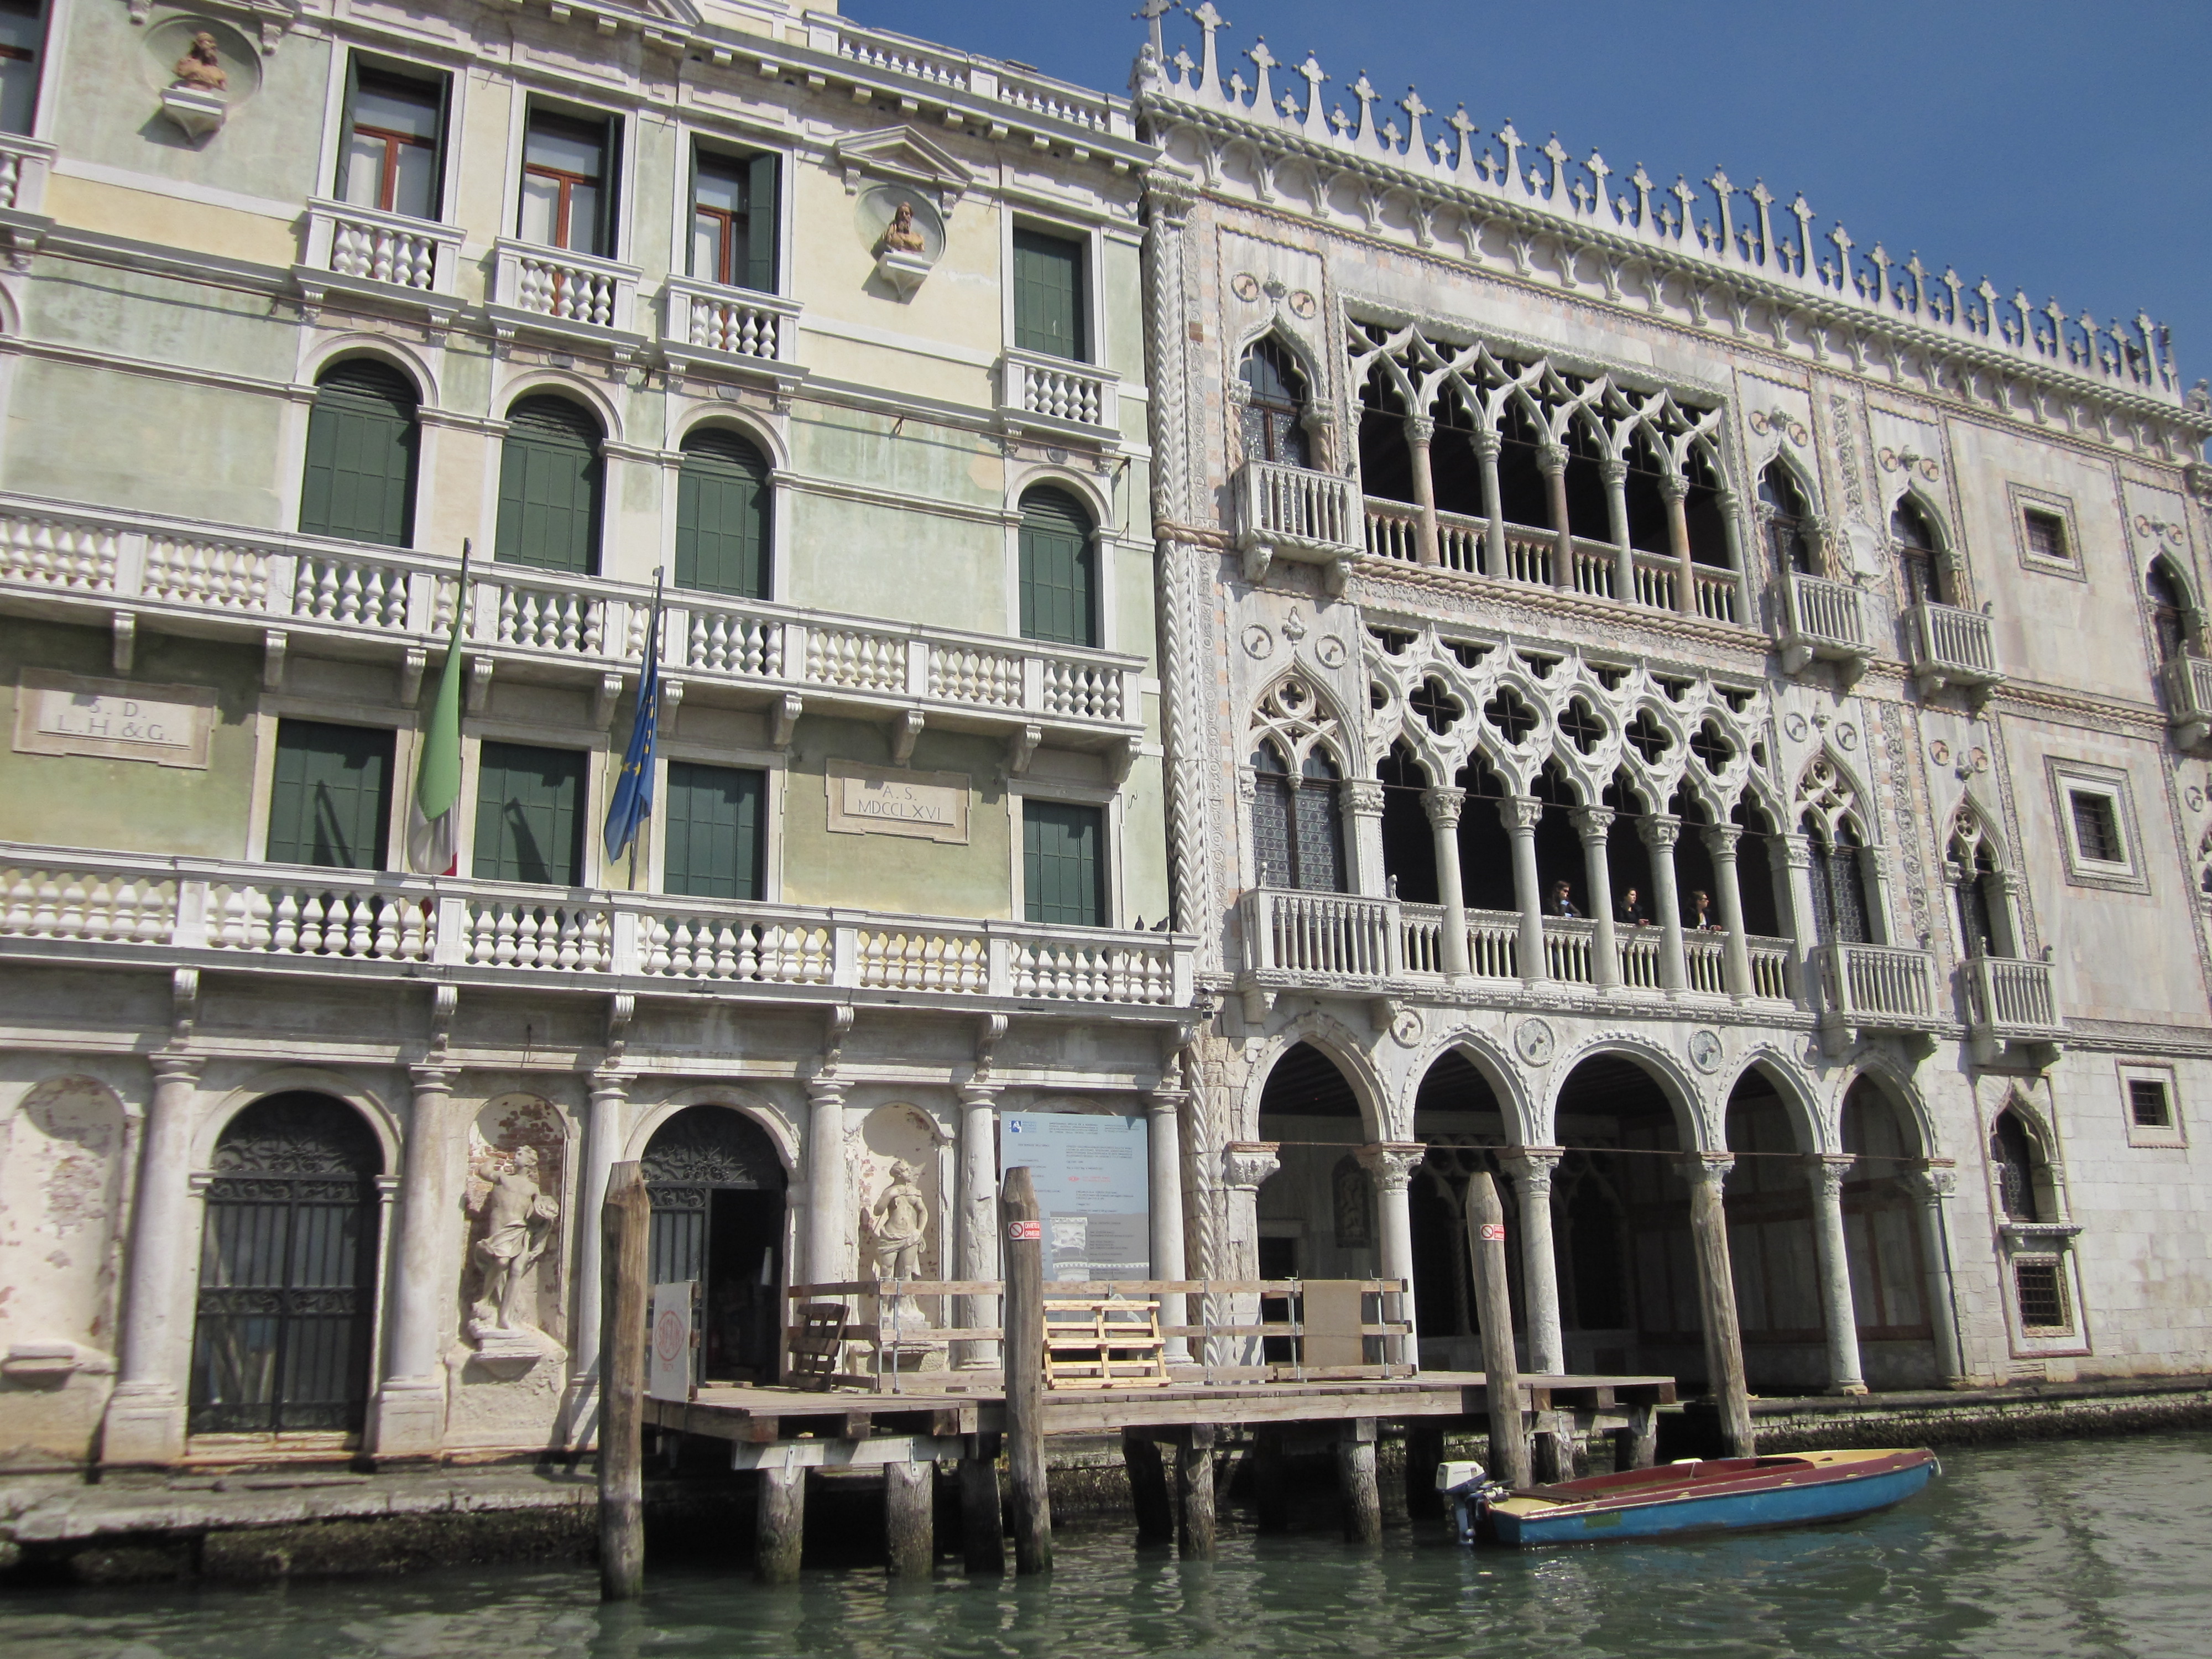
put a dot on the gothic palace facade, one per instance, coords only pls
(1619, 687)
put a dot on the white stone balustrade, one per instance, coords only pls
(25, 164)
(2188, 681)
(734, 328)
(1052, 394)
(116, 907)
(1037, 97)
(1824, 620)
(2013, 998)
(1951, 645)
(1292, 512)
(550, 286)
(1878, 987)
(365, 249)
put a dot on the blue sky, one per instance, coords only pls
(2064, 149)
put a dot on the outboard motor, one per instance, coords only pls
(1470, 1489)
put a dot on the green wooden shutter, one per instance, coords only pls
(1062, 874)
(713, 820)
(550, 485)
(760, 224)
(1049, 299)
(359, 483)
(530, 818)
(1058, 570)
(722, 516)
(332, 801)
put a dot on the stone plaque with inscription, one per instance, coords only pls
(883, 800)
(58, 713)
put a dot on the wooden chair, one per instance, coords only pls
(816, 1341)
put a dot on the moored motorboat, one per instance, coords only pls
(1721, 1494)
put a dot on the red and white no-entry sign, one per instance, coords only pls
(1025, 1231)
(1494, 1232)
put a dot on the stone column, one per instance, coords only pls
(1419, 429)
(1530, 1169)
(1444, 809)
(1731, 506)
(1933, 1186)
(1520, 814)
(1794, 884)
(977, 1217)
(1825, 1173)
(145, 1421)
(829, 1242)
(1615, 471)
(1721, 841)
(1164, 1105)
(1362, 800)
(1706, 1172)
(410, 1408)
(1660, 833)
(1676, 489)
(1391, 1165)
(603, 1138)
(1551, 459)
(1486, 446)
(1593, 823)
(1245, 1167)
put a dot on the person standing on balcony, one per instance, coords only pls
(1631, 913)
(1701, 911)
(1562, 902)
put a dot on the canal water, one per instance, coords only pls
(2082, 1548)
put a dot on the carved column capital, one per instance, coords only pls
(1674, 486)
(1721, 840)
(1592, 823)
(1712, 1167)
(1169, 198)
(1796, 850)
(1519, 813)
(827, 1089)
(1246, 1163)
(177, 1068)
(1166, 1100)
(610, 1083)
(432, 1080)
(1420, 428)
(1934, 1183)
(1550, 460)
(1614, 470)
(1532, 1167)
(1826, 1172)
(1487, 445)
(1659, 830)
(1392, 1163)
(1443, 805)
(977, 1093)
(1363, 798)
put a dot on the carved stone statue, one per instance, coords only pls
(200, 67)
(898, 1225)
(899, 236)
(518, 1226)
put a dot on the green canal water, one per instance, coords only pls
(2084, 1548)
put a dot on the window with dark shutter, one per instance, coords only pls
(1063, 872)
(713, 831)
(1049, 295)
(733, 212)
(358, 480)
(1839, 915)
(1058, 570)
(723, 515)
(549, 487)
(530, 817)
(329, 803)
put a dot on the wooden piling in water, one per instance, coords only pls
(1425, 1450)
(1486, 1244)
(625, 1220)
(1637, 1447)
(982, 1523)
(1148, 1488)
(1023, 1228)
(1355, 1477)
(1717, 1294)
(781, 1524)
(1194, 1492)
(909, 1518)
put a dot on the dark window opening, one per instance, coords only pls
(2046, 535)
(1926, 582)
(568, 201)
(2169, 612)
(2096, 828)
(733, 212)
(2148, 1104)
(1786, 533)
(2042, 1291)
(1272, 419)
(394, 151)
(2019, 1168)
(1295, 832)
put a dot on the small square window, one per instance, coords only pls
(2152, 1103)
(2148, 1104)
(2095, 817)
(2046, 535)
(2044, 528)
(2040, 1285)
(2096, 827)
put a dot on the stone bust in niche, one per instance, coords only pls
(899, 236)
(200, 67)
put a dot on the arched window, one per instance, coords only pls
(1295, 834)
(359, 483)
(1839, 915)
(1274, 418)
(1702, 514)
(2022, 1175)
(550, 481)
(1385, 459)
(723, 515)
(1921, 560)
(1976, 893)
(2169, 611)
(1059, 569)
(1786, 513)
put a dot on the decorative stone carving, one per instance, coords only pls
(517, 1168)
(1705, 1050)
(1392, 1163)
(898, 1224)
(518, 1219)
(200, 67)
(1533, 1040)
(900, 235)
(1248, 1164)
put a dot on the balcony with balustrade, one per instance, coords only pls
(552, 291)
(411, 263)
(732, 332)
(25, 164)
(1824, 621)
(1869, 988)
(1952, 646)
(2012, 1010)
(1055, 397)
(1295, 514)
(127, 910)
(280, 592)
(2188, 681)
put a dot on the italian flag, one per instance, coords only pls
(432, 834)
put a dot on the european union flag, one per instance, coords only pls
(633, 798)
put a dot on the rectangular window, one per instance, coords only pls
(1049, 295)
(22, 42)
(714, 819)
(2148, 1104)
(733, 220)
(530, 815)
(2041, 1286)
(2096, 828)
(568, 200)
(394, 150)
(330, 804)
(1063, 863)
(2046, 535)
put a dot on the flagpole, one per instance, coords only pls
(649, 667)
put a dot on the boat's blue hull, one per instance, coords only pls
(1721, 1511)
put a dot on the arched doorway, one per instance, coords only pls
(1457, 1116)
(1317, 1216)
(1771, 1246)
(1884, 1224)
(717, 1188)
(286, 1310)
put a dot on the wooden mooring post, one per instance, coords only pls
(625, 1221)
(1194, 1492)
(1717, 1294)
(1024, 1243)
(909, 1519)
(982, 1523)
(1355, 1477)
(1148, 1487)
(779, 1522)
(1485, 1245)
